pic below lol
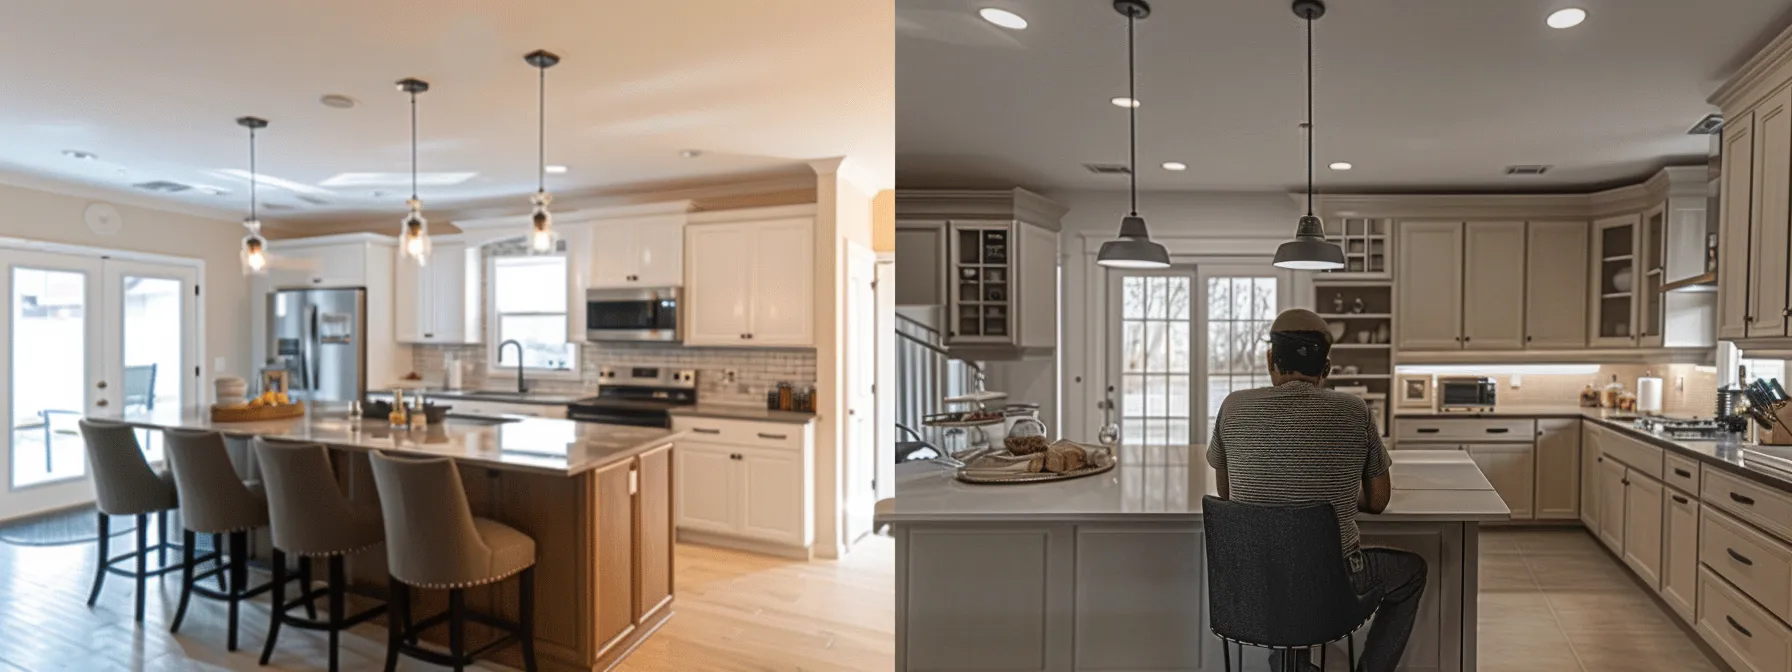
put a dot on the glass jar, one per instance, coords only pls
(1014, 413)
(1026, 437)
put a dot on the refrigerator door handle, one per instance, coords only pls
(311, 371)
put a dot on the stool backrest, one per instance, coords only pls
(307, 511)
(213, 497)
(430, 536)
(1276, 575)
(123, 483)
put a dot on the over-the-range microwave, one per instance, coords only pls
(633, 315)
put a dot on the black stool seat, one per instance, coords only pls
(1277, 578)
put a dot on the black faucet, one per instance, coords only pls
(520, 388)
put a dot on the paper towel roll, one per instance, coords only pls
(1648, 395)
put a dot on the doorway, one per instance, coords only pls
(863, 453)
(87, 334)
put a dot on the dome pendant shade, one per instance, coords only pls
(1309, 250)
(1134, 249)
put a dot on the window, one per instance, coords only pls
(1154, 360)
(1764, 369)
(1239, 312)
(528, 305)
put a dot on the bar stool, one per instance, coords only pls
(1277, 580)
(125, 485)
(433, 541)
(311, 518)
(214, 500)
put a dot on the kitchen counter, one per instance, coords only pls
(742, 412)
(541, 445)
(1537, 411)
(510, 396)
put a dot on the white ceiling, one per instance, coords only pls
(153, 88)
(1418, 94)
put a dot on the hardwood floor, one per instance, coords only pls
(735, 612)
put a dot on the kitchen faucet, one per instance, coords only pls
(520, 388)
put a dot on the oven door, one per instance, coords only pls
(632, 315)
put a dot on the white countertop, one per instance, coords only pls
(1167, 483)
(541, 445)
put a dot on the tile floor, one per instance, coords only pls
(1554, 600)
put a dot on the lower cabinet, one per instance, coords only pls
(1744, 634)
(1558, 462)
(632, 536)
(1509, 467)
(614, 536)
(1642, 527)
(1680, 553)
(754, 492)
(1589, 476)
(1611, 503)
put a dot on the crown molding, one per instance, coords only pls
(1016, 203)
(1765, 72)
(1669, 182)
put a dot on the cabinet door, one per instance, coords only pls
(1642, 527)
(341, 265)
(1429, 286)
(658, 252)
(612, 255)
(1492, 286)
(411, 300)
(614, 539)
(447, 296)
(653, 517)
(771, 499)
(1680, 554)
(1769, 223)
(921, 277)
(719, 294)
(704, 487)
(1555, 286)
(783, 272)
(1509, 467)
(1558, 469)
(576, 238)
(1738, 188)
(1589, 476)
(1611, 504)
(1612, 296)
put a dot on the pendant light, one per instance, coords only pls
(413, 234)
(255, 247)
(1135, 248)
(542, 239)
(1309, 250)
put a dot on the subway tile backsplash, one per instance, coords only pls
(756, 371)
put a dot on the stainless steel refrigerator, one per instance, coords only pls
(319, 337)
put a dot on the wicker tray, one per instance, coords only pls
(257, 413)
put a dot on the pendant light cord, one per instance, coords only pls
(1309, 113)
(253, 175)
(413, 145)
(1132, 116)
(541, 136)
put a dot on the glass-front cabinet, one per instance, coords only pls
(1615, 282)
(981, 282)
(1652, 260)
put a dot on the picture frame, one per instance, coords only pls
(275, 380)
(1413, 390)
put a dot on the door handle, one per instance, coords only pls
(1498, 430)
(1739, 557)
(774, 437)
(1738, 627)
(1680, 499)
(1739, 499)
(1683, 473)
(1428, 430)
(101, 403)
(101, 385)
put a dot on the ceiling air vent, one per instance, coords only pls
(1526, 170)
(163, 186)
(1710, 125)
(1108, 168)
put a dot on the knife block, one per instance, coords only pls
(1781, 434)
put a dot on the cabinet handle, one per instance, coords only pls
(1683, 473)
(1739, 557)
(1626, 481)
(1498, 430)
(1739, 499)
(317, 281)
(634, 481)
(1600, 459)
(1681, 500)
(1428, 430)
(734, 456)
(1527, 339)
(1738, 627)
(429, 335)
(703, 430)
(774, 437)
(1464, 339)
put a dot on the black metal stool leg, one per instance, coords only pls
(1226, 655)
(338, 594)
(1350, 662)
(305, 578)
(239, 580)
(398, 596)
(186, 579)
(99, 570)
(277, 608)
(142, 561)
(457, 626)
(526, 620)
(218, 548)
(1322, 656)
(162, 538)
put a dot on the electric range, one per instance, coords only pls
(1686, 430)
(640, 396)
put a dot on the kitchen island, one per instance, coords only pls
(597, 499)
(1108, 572)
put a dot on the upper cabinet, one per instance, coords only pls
(439, 301)
(1735, 201)
(1493, 317)
(1755, 230)
(751, 284)
(1429, 276)
(637, 252)
(1555, 285)
(1614, 268)
(987, 262)
(1768, 224)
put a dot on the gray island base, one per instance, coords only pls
(1108, 572)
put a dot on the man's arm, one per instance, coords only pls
(1225, 486)
(1375, 494)
(1216, 456)
(1378, 486)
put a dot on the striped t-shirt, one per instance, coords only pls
(1294, 443)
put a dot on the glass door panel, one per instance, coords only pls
(1155, 367)
(151, 348)
(51, 365)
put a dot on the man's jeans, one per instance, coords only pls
(1402, 575)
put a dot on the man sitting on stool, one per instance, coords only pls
(1299, 442)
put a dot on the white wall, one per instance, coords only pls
(843, 214)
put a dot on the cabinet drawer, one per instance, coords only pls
(1634, 453)
(1758, 565)
(1680, 472)
(774, 435)
(1746, 636)
(1468, 430)
(1758, 505)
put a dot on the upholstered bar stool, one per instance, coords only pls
(311, 518)
(125, 485)
(215, 500)
(433, 541)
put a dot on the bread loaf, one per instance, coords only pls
(1064, 457)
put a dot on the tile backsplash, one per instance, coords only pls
(756, 371)
(1687, 389)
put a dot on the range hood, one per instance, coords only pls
(1692, 262)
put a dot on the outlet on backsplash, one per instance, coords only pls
(724, 375)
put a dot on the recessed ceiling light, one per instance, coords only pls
(1123, 101)
(80, 155)
(555, 169)
(396, 179)
(690, 153)
(1566, 18)
(1003, 18)
(1175, 165)
(338, 101)
(1341, 165)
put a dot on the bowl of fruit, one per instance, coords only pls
(272, 404)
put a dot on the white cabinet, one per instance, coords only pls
(770, 506)
(1509, 467)
(438, 302)
(1680, 553)
(1737, 189)
(751, 284)
(703, 490)
(637, 252)
(748, 481)
(1642, 526)
(1771, 217)
(1558, 480)
(1611, 504)
(1492, 305)
(1555, 286)
(1429, 295)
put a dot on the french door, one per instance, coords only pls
(86, 334)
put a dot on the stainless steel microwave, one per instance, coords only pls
(1465, 393)
(633, 315)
